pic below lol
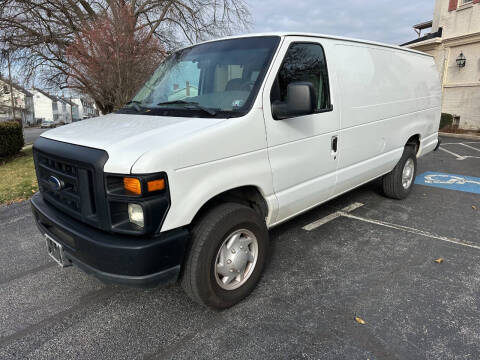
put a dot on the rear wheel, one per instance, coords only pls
(398, 183)
(227, 256)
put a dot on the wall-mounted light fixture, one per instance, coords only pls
(461, 60)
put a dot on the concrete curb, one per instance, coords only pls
(460, 136)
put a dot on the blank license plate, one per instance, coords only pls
(55, 250)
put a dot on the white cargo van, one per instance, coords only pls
(226, 140)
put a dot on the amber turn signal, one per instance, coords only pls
(133, 185)
(156, 185)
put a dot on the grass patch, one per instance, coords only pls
(17, 177)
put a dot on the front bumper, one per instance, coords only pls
(128, 260)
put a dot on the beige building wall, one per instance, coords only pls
(461, 34)
(464, 20)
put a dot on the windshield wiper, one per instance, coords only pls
(190, 103)
(135, 104)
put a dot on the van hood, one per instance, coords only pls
(125, 137)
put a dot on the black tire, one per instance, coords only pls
(392, 182)
(208, 234)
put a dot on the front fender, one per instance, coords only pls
(192, 187)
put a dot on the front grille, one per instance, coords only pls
(79, 171)
(69, 175)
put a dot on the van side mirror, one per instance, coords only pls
(300, 101)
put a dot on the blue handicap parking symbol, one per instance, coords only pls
(449, 181)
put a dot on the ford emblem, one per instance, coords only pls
(55, 183)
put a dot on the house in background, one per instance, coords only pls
(454, 41)
(65, 110)
(64, 115)
(46, 105)
(86, 107)
(59, 108)
(23, 103)
(71, 110)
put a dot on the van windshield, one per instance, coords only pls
(216, 79)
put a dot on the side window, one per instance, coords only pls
(303, 62)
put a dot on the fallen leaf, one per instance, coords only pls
(439, 260)
(474, 207)
(359, 320)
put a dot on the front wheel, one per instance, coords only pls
(398, 183)
(227, 256)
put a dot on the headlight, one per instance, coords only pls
(137, 204)
(135, 215)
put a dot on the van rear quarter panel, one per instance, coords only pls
(386, 96)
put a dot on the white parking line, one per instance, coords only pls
(345, 212)
(465, 142)
(322, 221)
(452, 153)
(352, 207)
(471, 147)
(331, 217)
(412, 230)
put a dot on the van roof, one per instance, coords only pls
(323, 36)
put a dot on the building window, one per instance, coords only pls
(465, 2)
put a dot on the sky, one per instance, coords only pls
(385, 21)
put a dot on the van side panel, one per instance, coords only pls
(382, 96)
(386, 97)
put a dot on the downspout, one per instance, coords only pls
(445, 70)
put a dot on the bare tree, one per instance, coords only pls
(110, 58)
(48, 35)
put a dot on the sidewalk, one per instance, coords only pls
(460, 136)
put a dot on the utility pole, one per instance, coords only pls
(71, 107)
(11, 86)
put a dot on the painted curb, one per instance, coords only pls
(460, 136)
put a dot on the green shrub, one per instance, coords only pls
(11, 138)
(446, 120)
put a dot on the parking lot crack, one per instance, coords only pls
(28, 272)
(87, 299)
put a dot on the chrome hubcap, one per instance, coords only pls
(407, 174)
(236, 259)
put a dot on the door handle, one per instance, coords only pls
(334, 144)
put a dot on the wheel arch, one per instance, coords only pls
(415, 141)
(249, 195)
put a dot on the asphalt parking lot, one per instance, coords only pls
(375, 262)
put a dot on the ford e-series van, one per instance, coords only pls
(227, 139)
